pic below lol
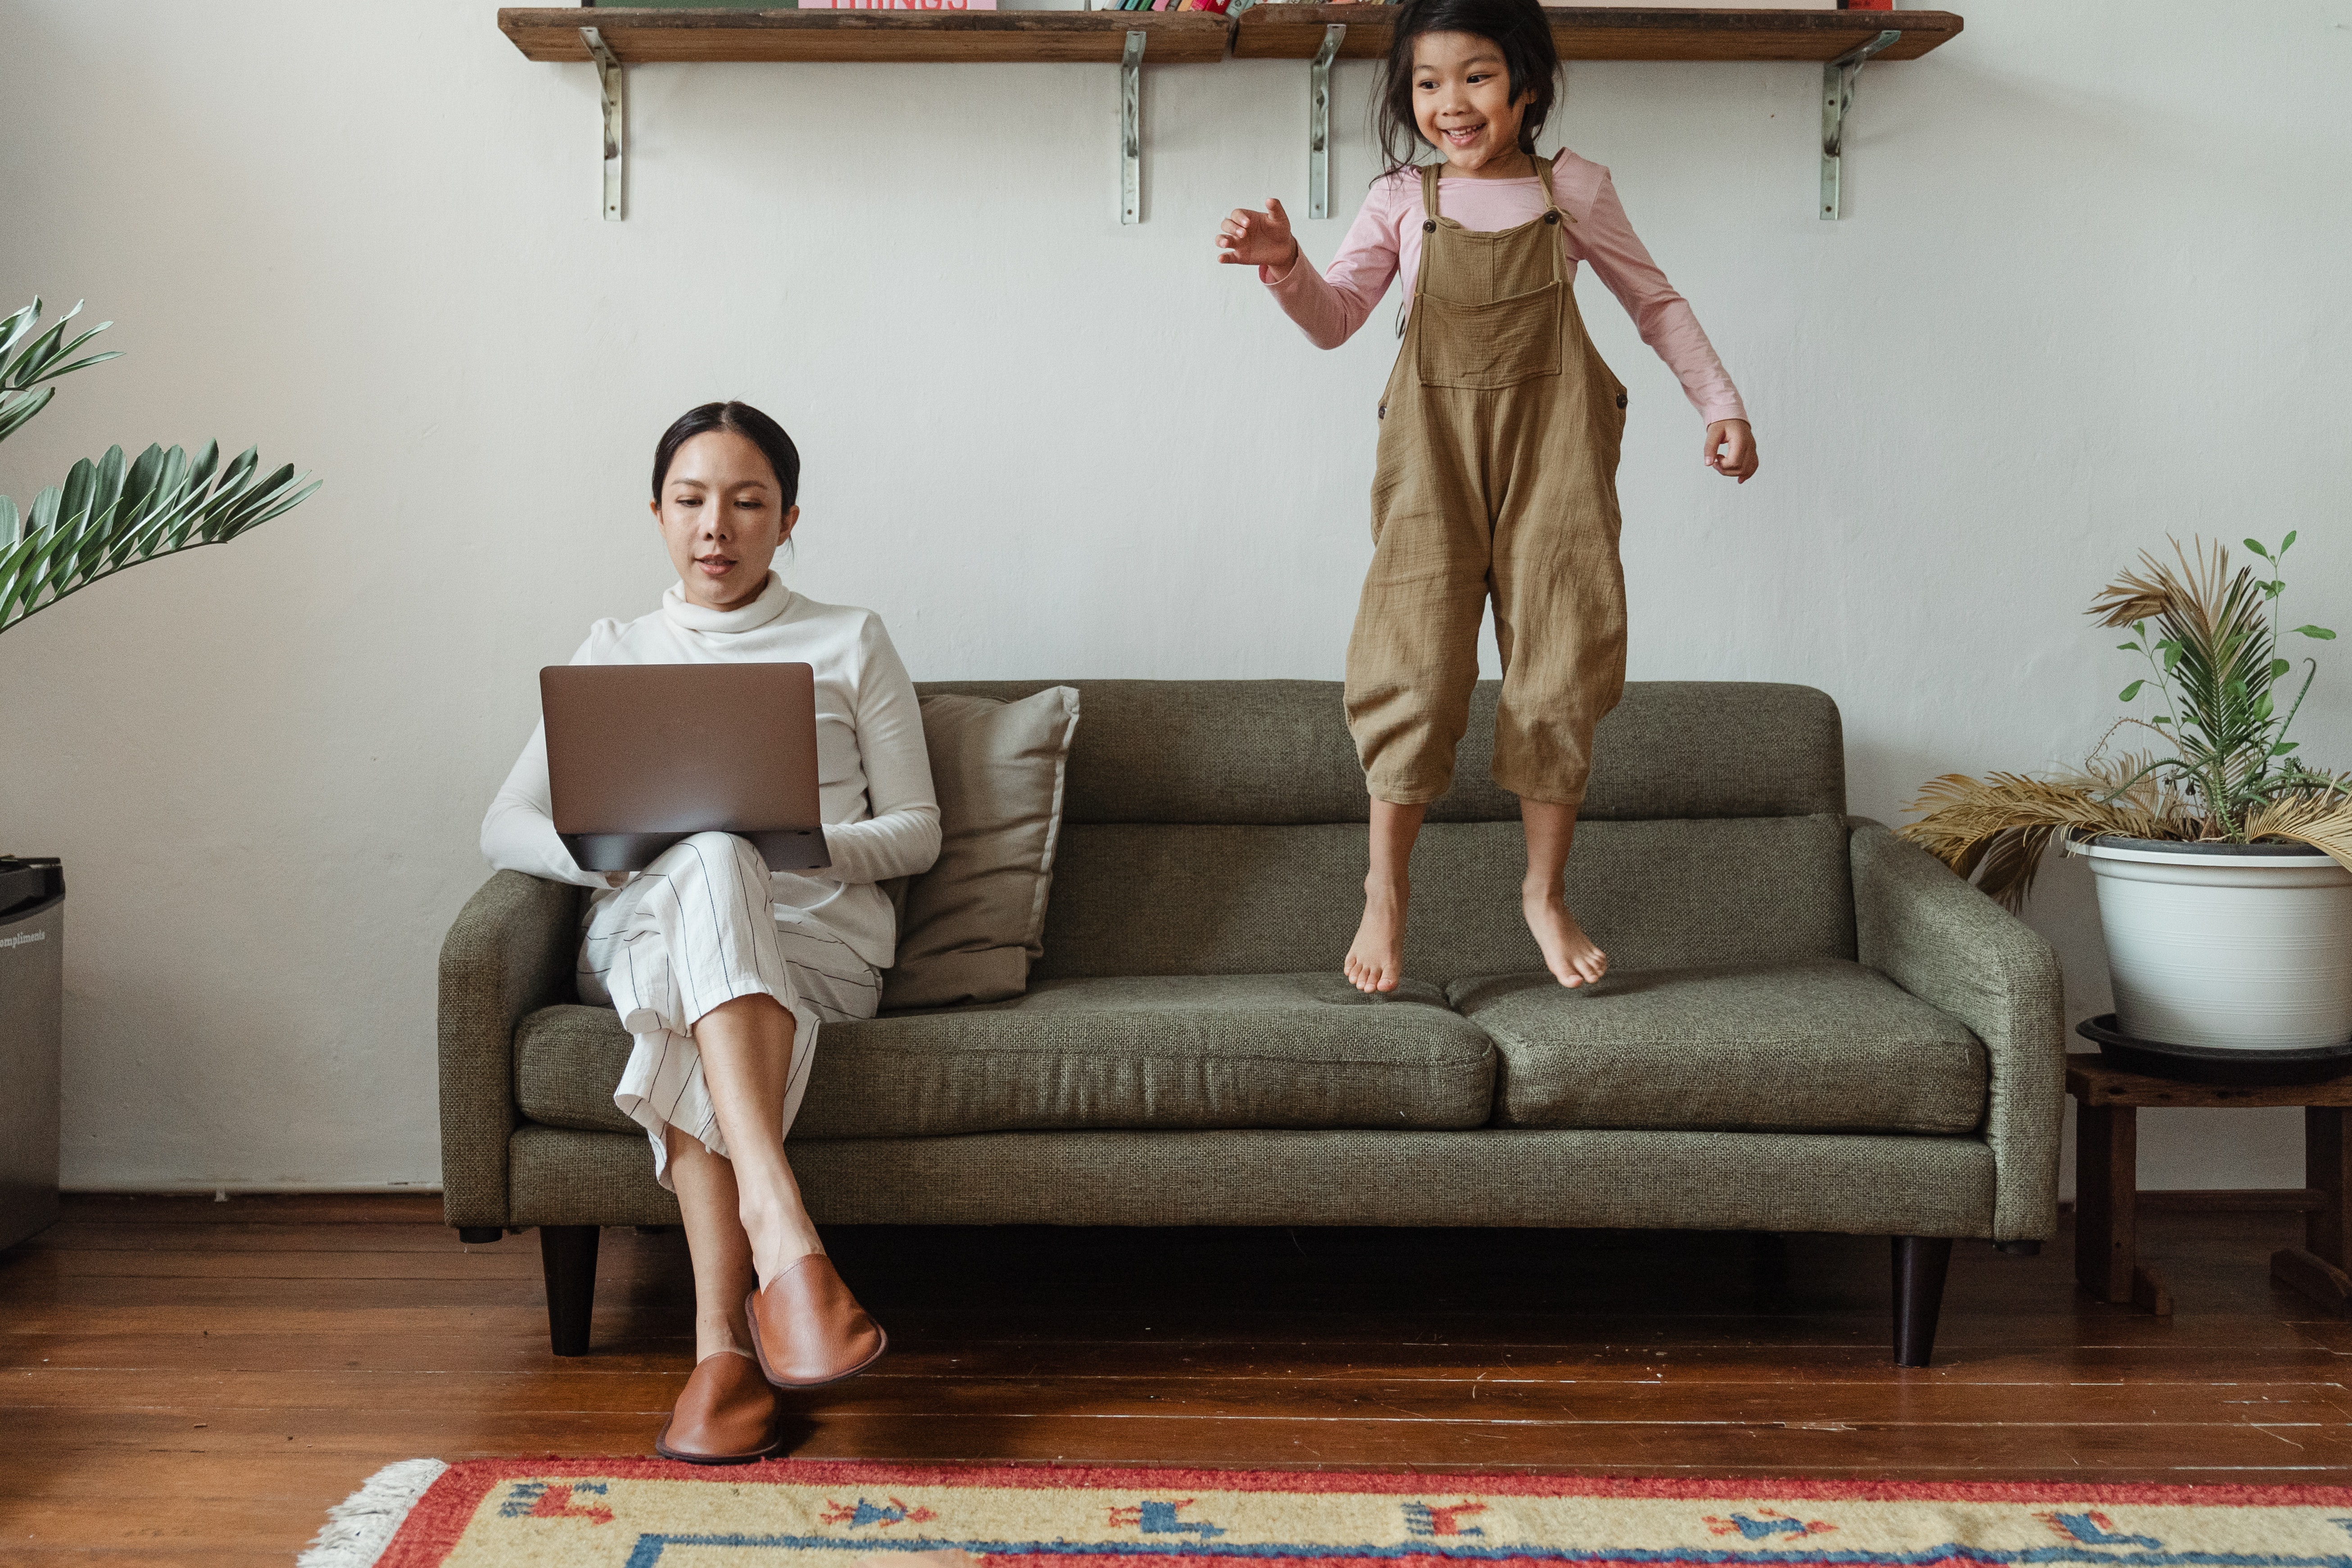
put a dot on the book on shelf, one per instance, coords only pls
(899, 5)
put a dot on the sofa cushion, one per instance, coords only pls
(1276, 752)
(1822, 1046)
(1209, 899)
(1189, 1051)
(970, 927)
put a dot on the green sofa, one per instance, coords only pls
(1808, 1025)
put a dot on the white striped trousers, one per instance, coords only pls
(693, 930)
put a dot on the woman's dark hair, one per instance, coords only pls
(741, 419)
(1518, 28)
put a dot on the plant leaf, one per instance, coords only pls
(2129, 692)
(110, 515)
(2255, 545)
(2322, 633)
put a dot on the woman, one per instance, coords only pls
(723, 972)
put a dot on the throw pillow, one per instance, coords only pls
(971, 924)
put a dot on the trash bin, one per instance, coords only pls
(32, 1012)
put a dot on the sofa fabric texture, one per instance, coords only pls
(1164, 899)
(1184, 1051)
(1821, 1045)
(970, 927)
(1276, 752)
(1808, 1025)
(1494, 1176)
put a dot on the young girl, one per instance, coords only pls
(1498, 459)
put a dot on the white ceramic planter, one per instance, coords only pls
(2227, 946)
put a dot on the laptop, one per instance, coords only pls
(640, 756)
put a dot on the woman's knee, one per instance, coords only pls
(723, 859)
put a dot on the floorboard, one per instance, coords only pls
(194, 1381)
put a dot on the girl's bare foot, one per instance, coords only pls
(1567, 952)
(1376, 958)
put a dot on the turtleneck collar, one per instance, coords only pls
(774, 600)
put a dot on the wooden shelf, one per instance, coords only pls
(1273, 31)
(649, 38)
(1294, 32)
(1839, 41)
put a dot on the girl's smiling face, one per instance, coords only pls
(1461, 102)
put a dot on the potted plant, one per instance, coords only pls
(2224, 860)
(108, 515)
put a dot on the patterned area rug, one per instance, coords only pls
(642, 1513)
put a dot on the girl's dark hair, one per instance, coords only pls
(1518, 28)
(743, 420)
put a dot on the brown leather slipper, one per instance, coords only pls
(807, 1330)
(726, 1417)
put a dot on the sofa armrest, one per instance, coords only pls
(1952, 947)
(510, 954)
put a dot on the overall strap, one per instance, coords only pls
(1428, 231)
(1554, 215)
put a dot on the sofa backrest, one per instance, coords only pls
(1216, 826)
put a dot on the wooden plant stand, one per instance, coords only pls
(2106, 1181)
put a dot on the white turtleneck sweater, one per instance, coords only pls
(874, 775)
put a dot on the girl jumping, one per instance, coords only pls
(1497, 473)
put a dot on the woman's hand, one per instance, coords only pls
(1258, 240)
(1730, 449)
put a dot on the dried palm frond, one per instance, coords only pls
(2322, 820)
(2190, 593)
(1997, 829)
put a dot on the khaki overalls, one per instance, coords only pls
(1497, 476)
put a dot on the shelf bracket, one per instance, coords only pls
(1838, 79)
(1319, 123)
(1130, 128)
(611, 83)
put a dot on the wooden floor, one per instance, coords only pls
(195, 1382)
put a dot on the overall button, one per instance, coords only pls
(1621, 400)
(1429, 225)
(1552, 218)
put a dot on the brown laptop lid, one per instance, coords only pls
(642, 755)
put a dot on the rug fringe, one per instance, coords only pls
(360, 1527)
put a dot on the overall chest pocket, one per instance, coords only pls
(1489, 346)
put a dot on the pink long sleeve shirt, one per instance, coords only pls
(1385, 241)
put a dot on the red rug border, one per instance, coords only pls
(434, 1526)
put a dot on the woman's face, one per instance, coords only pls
(719, 515)
(1461, 101)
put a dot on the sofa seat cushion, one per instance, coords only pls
(1824, 1044)
(1173, 1051)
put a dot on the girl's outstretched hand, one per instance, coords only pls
(1258, 240)
(1730, 449)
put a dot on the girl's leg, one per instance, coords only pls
(1376, 958)
(746, 1046)
(716, 1239)
(1567, 952)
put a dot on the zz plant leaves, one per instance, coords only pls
(109, 515)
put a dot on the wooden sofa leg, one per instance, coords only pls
(567, 1255)
(1920, 1262)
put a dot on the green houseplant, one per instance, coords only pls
(2223, 858)
(110, 514)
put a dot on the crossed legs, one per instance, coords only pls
(744, 1220)
(1376, 959)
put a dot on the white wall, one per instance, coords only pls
(2090, 290)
